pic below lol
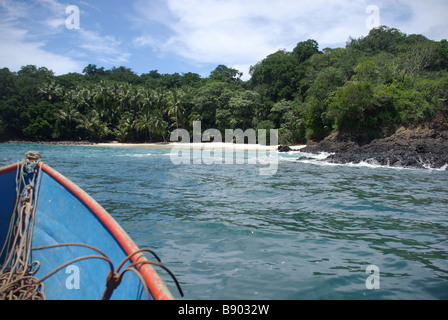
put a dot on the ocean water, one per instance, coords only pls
(309, 231)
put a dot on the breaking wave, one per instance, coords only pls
(321, 159)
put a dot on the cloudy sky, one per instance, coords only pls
(193, 35)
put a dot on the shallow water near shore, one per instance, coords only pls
(307, 232)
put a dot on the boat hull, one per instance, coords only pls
(65, 214)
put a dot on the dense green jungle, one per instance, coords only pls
(375, 85)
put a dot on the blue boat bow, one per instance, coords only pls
(68, 246)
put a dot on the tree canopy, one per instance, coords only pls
(375, 84)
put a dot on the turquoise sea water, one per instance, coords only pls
(307, 232)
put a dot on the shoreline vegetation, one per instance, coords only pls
(382, 98)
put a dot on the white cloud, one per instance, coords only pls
(20, 47)
(15, 54)
(37, 34)
(54, 13)
(427, 17)
(240, 32)
(237, 33)
(106, 49)
(244, 32)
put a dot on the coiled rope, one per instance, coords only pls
(17, 281)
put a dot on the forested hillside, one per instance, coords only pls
(375, 85)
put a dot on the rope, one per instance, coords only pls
(114, 278)
(17, 279)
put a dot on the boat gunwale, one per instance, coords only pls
(157, 287)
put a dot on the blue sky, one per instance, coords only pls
(193, 35)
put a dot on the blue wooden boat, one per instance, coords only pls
(57, 242)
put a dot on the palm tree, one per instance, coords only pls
(121, 132)
(145, 124)
(93, 125)
(51, 91)
(174, 107)
(83, 99)
(69, 114)
(124, 97)
(159, 98)
(125, 127)
(135, 100)
(160, 125)
(101, 94)
(146, 100)
(194, 116)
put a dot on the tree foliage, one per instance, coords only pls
(375, 84)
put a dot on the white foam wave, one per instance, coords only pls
(319, 159)
(370, 163)
(295, 155)
(442, 168)
(136, 155)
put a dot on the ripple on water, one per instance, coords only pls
(308, 232)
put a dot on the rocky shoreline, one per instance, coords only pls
(425, 147)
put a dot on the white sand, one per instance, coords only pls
(194, 146)
(170, 145)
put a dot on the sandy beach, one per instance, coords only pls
(214, 145)
(162, 145)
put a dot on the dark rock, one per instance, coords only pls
(406, 148)
(420, 149)
(284, 149)
(305, 158)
